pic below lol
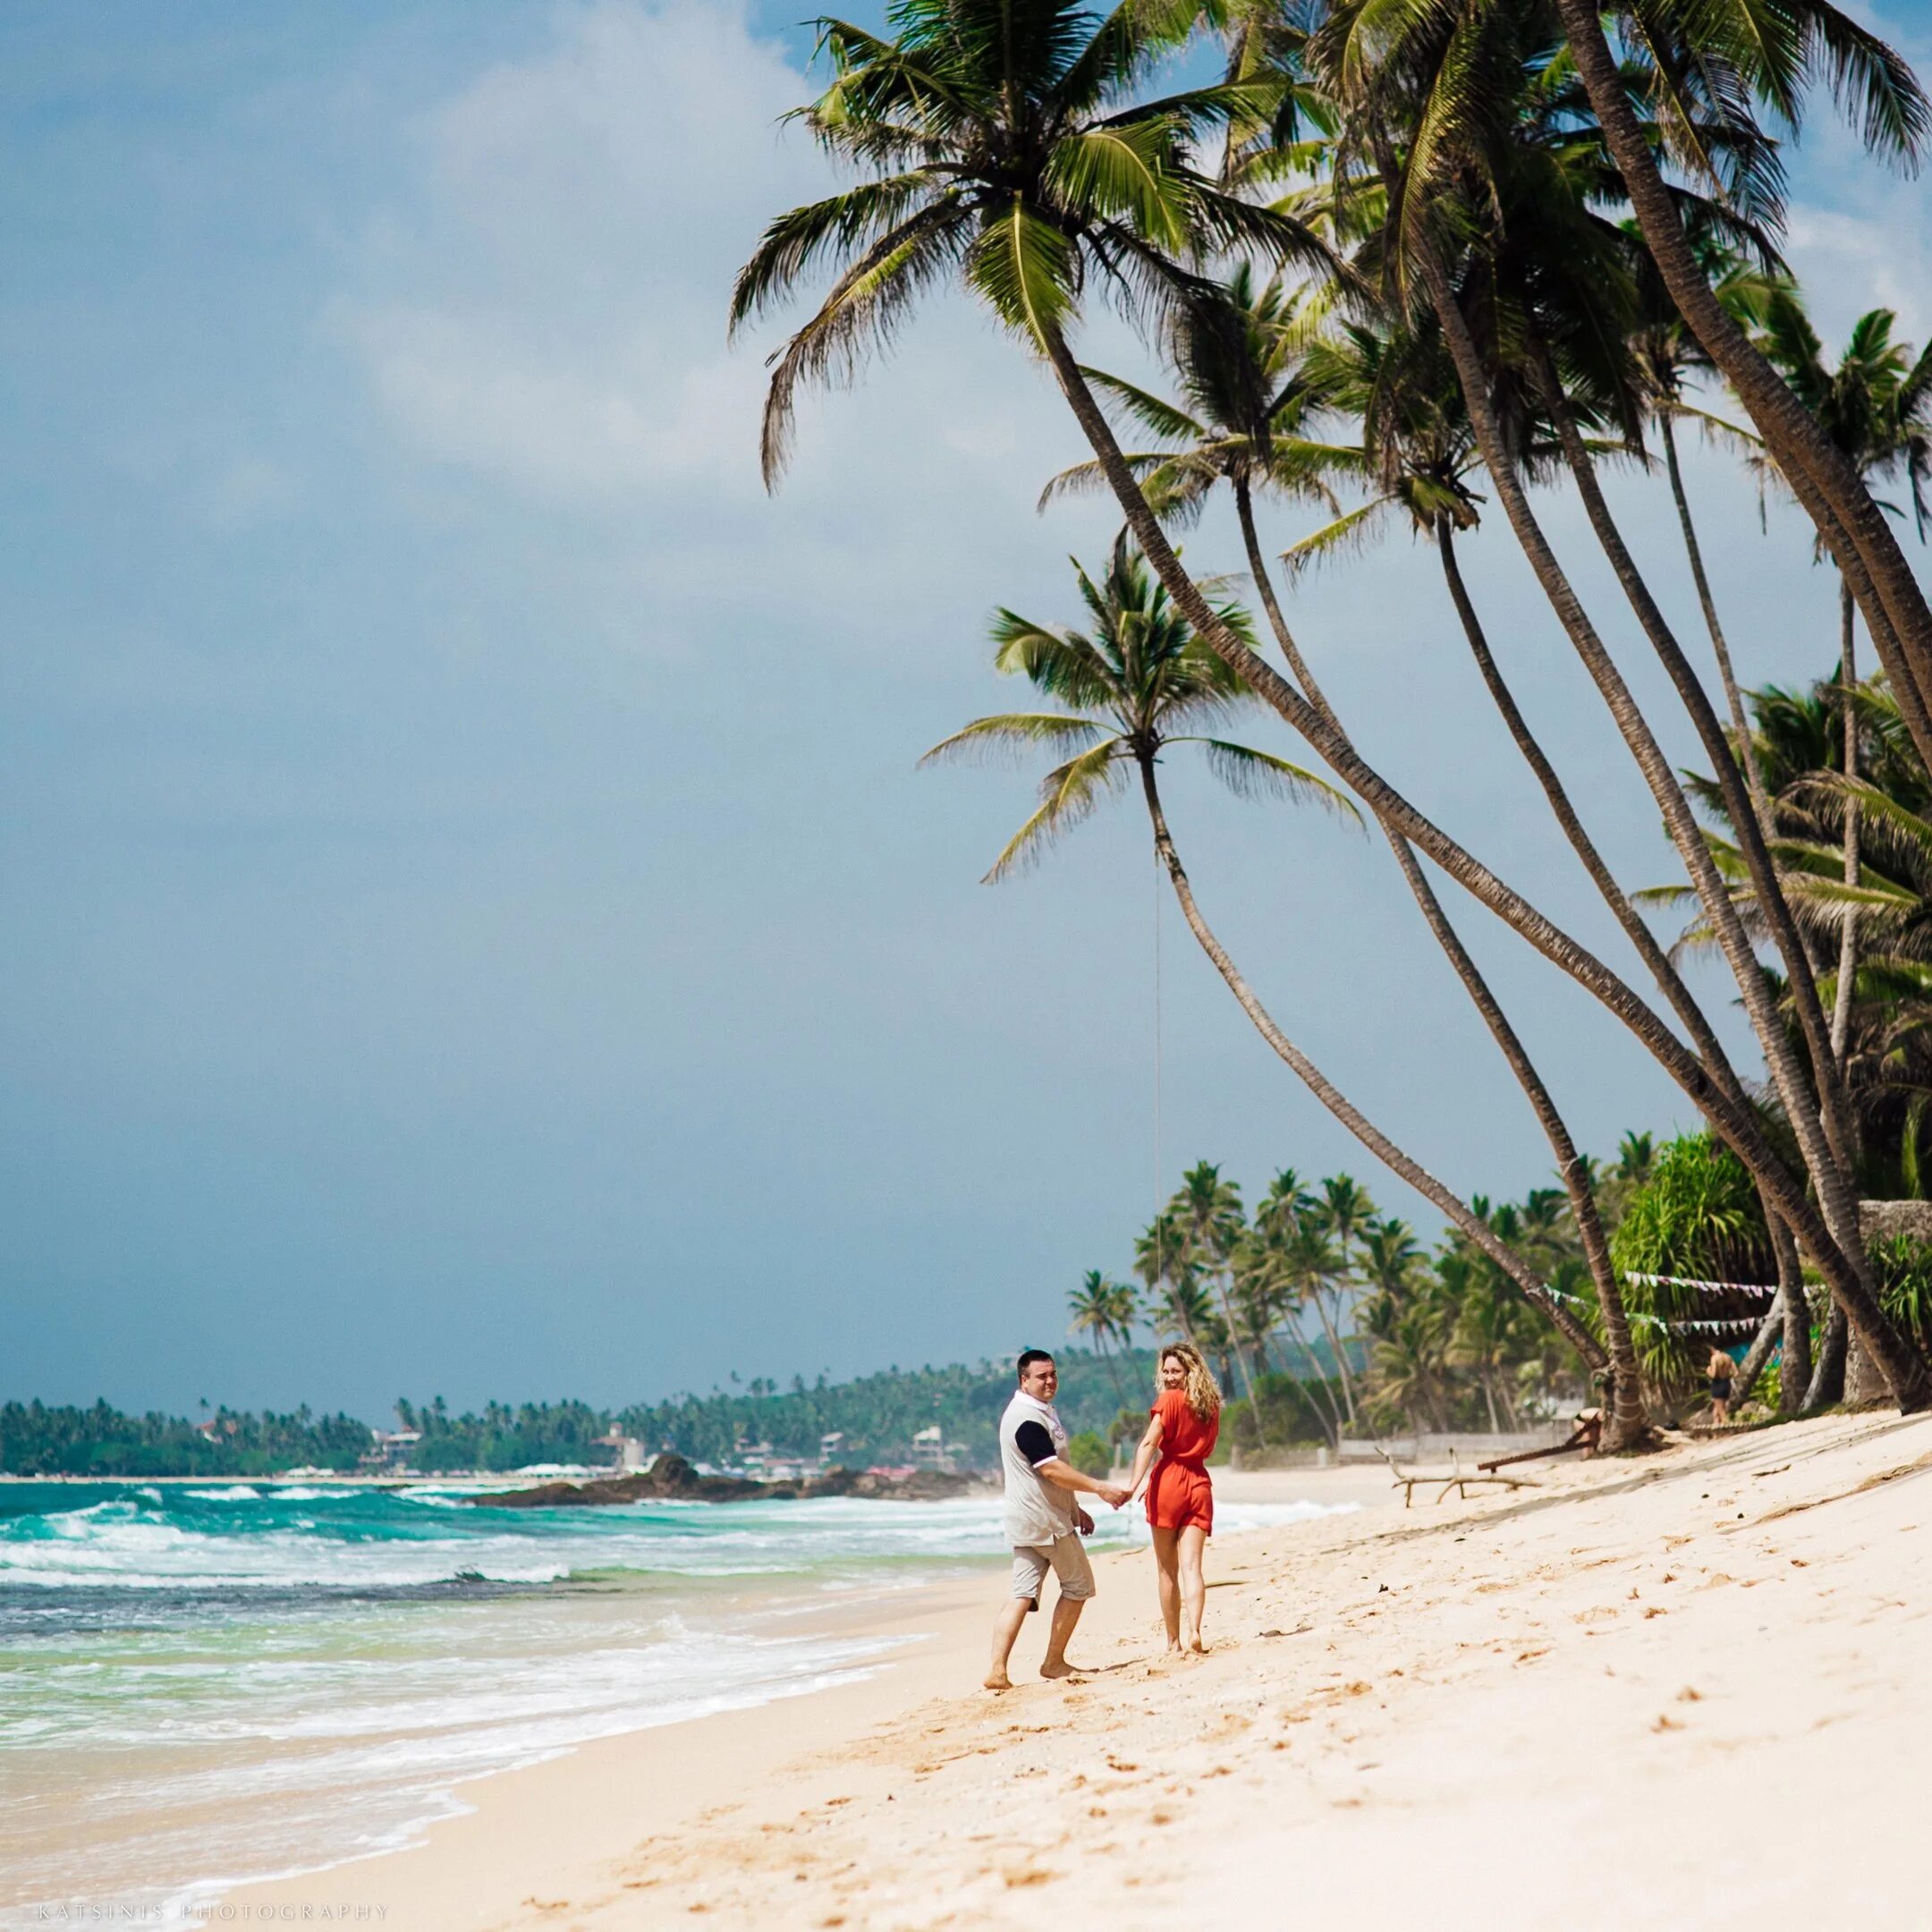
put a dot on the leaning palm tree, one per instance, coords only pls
(1002, 143)
(1145, 670)
(1251, 377)
(1666, 360)
(1484, 191)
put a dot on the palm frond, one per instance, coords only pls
(1068, 794)
(1012, 732)
(1028, 271)
(1251, 773)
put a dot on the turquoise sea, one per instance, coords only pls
(204, 1684)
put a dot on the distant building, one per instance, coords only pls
(929, 1450)
(630, 1451)
(392, 1448)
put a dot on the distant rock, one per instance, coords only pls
(672, 1479)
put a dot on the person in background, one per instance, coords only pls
(1721, 1366)
(1182, 1429)
(1044, 1523)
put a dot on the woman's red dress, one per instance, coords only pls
(1179, 1494)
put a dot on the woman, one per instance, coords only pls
(1720, 1365)
(1181, 1432)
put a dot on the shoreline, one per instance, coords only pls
(1529, 1707)
(937, 1625)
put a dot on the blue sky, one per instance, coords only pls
(473, 923)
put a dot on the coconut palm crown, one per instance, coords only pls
(1127, 688)
(1004, 145)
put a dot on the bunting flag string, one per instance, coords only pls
(1705, 1287)
(1733, 1325)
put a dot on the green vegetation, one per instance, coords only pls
(37, 1440)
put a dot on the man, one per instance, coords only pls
(1044, 1523)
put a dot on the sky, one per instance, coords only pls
(473, 925)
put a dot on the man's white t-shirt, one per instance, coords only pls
(1037, 1512)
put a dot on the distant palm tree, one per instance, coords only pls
(1095, 1308)
(1344, 1209)
(1210, 1210)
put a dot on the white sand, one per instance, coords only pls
(1688, 1688)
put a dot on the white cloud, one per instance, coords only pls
(547, 307)
(1850, 263)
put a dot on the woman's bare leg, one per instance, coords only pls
(1192, 1546)
(1167, 1557)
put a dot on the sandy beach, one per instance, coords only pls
(1636, 1684)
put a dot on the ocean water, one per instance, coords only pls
(204, 1684)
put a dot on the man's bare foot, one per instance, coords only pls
(1174, 1650)
(1196, 1648)
(1058, 1667)
(998, 1681)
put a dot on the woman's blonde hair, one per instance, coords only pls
(1203, 1393)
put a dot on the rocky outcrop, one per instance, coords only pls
(671, 1479)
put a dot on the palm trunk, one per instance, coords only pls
(1794, 1366)
(1320, 1382)
(1337, 1357)
(1488, 1393)
(1371, 1137)
(1841, 1028)
(1822, 1136)
(1747, 744)
(1736, 1125)
(1828, 1372)
(1669, 980)
(1757, 1355)
(1241, 1360)
(1627, 1424)
(1837, 1191)
(1840, 505)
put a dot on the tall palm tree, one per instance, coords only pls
(1876, 410)
(1147, 669)
(1477, 100)
(977, 129)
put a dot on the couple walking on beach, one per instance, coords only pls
(1045, 1522)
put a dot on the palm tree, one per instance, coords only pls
(1251, 380)
(978, 130)
(1542, 261)
(1875, 411)
(1094, 1306)
(1147, 669)
(1772, 53)
(1210, 1210)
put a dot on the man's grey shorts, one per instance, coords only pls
(1066, 1557)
